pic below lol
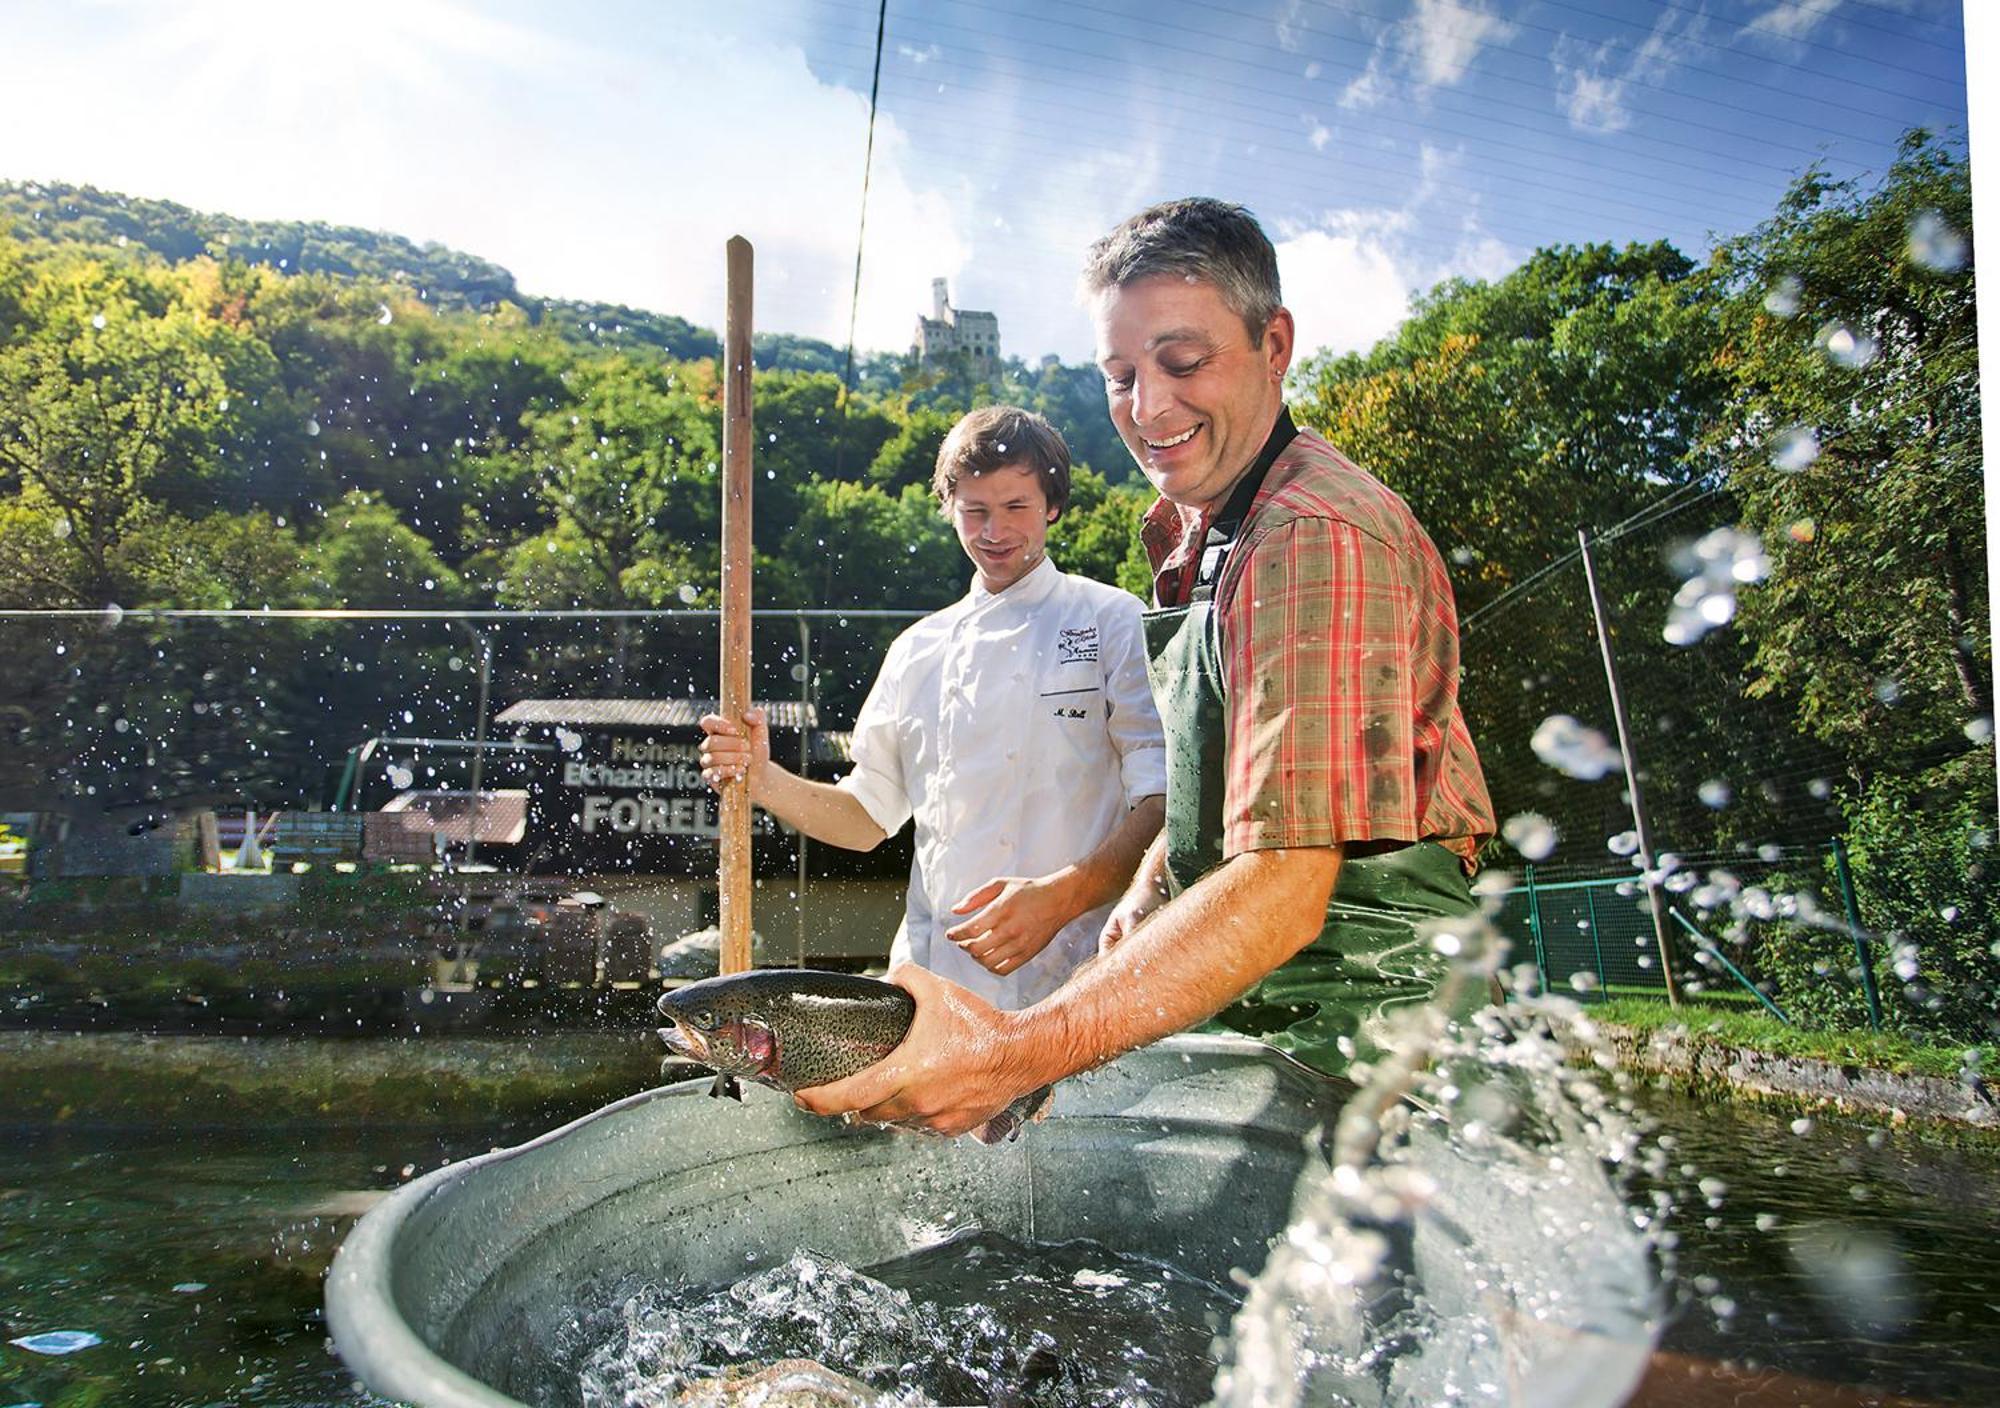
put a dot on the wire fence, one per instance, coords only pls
(1746, 813)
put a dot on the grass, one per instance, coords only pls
(1733, 1025)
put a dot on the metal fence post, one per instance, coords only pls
(1535, 928)
(1596, 945)
(1654, 898)
(1862, 953)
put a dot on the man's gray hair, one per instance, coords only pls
(1195, 238)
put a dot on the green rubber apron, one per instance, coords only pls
(1329, 1003)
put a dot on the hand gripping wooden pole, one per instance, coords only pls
(736, 454)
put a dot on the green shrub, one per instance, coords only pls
(1927, 880)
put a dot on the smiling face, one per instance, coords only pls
(1002, 518)
(1194, 397)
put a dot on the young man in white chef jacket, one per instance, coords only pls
(1016, 726)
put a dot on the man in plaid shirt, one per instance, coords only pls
(1324, 800)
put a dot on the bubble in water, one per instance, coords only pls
(401, 778)
(98, 322)
(383, 315)
(1625, 843)
(569, 740)
(1714, 793)
(1795, 448)
(1530, 833)
(60, 529)
(312, 426)
(1782, 298)
(1574, 748)
(1802, 1126)
(1934, 244)
(1979, 730)
(1583, 980)
(688, 592)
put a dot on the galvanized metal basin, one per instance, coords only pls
(456, 1290)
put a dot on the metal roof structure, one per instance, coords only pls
(646, 713)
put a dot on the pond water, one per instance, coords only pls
(1826, 1261)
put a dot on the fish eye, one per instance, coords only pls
(704, 1017)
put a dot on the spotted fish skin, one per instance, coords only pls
(795, 1028)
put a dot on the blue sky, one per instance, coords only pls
(606, 150)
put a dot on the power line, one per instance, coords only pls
(1289, 71)
(867, 170)
(1462, 102)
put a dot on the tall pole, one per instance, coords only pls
(737, 439)
(805, 759)
(1654, 896)
(485, 643)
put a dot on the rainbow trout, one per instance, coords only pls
(793, 1028)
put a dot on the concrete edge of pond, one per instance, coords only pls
(58, 1077)
(1701, 1063)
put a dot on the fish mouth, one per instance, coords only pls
(683, 1041)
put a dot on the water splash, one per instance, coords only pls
(1713, 568)
(1464, 1244)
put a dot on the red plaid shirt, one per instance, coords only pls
(1339, 638)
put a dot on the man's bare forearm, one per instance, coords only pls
(1101, 877)
(821, 810)
(1201, 952)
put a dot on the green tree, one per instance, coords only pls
(1853, 442)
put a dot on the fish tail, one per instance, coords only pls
(1010, 1121)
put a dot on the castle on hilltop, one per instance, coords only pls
(950, 331)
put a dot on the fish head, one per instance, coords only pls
(719, 1034)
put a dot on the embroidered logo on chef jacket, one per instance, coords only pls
(1075, 644)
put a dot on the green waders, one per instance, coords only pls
(1372, 955)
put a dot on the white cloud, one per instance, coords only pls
(921, 56)
(1318, 133)
(1349, 274)
(1792, 19)
(1370, 88)
(1444, 36)
(584, 171)
(1591, 83)
(1432, 47)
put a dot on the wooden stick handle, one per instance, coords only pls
(736, 456)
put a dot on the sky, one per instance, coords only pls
(606, 149)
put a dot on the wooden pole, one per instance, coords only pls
(736, 456)
(1640, 825)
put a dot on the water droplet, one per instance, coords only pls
(1794, 449)
(1714, 793)
(1934, 244)
(383, 315)
(58, 1341)
(98, 322)
(689, 593)
(1574, 748)
(1782, 300)
(1845, 347)
(1530, 833)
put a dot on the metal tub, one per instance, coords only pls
(457, 1289)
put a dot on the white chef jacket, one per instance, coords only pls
(1019, 729)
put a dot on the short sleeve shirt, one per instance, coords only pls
(1339, 639)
